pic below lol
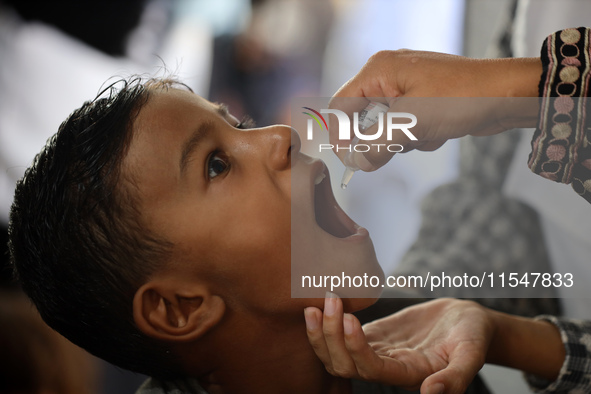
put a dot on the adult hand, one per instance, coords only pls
(438, 346)
(404, 80)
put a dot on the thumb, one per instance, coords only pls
(455, 378)
(360, 160)
(448, 381)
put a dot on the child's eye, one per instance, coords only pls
(217, 164)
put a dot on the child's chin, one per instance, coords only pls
(351, 305)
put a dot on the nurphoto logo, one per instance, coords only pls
(392, 125)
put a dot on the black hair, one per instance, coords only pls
(77, 241)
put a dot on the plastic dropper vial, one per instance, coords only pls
(369, 116)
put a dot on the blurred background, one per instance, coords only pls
(254, 55)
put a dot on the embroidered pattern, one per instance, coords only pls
(561, 152)
(560, 148)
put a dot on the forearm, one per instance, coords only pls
(511, 83)
(532, 346)
(515, 81)
(518, 77)
(560, 151)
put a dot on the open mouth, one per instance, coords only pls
(329, 215)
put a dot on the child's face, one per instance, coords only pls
(223, 197)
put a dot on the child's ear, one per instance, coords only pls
(172, 311)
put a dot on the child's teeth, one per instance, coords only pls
(319, 178)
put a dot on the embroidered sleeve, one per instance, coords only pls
(575, 374)
(561, 149)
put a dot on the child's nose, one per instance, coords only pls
(284, 143)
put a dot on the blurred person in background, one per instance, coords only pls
(277, 56)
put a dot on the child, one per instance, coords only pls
(156, 233)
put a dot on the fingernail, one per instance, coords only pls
(348, 323)
(330, 303)
(311, 322)
(437, 388)
(361, 161)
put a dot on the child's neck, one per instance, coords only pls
(268, 357)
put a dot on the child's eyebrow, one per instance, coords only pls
(193, 141)
(203, 131)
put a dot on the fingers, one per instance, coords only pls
(325, 334)
(464, 364)
(341, 363)
(448, 381)
(436, 388)
(374, 146)
(373, 81)
(313, 318)
(370, 149)
(340, 343)
(329, 333)
(368, 364)
(341, 139)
